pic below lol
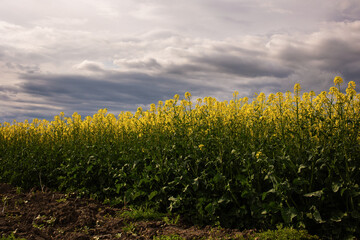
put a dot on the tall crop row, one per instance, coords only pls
(287, 158)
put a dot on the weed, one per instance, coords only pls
(38, 226)
(130, 228)
(5, 202)
(171, 220)
(60, 200)
(10, 237)
(168, 237)
(140, 213)
(284, 234)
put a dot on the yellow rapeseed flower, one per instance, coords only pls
(333, 90)
(201, 147)
(338, 80)
(350, 91)
(297, 88)
(235, 94)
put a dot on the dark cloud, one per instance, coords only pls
(86, 88)
(147, 64)
(236, 60)
(334, 50)
(23, 68)
(347, 10)
(31, 112)
(187, 69)
(116, 91)
(244, 66)
(8, 89)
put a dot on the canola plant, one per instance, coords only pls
(284, 158)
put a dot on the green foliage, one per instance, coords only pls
(130, 228)
(171, 220)
(141, 213)
(284, 234)
(10, 237)
(278, 234)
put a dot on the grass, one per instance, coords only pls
(141, 213)
(10, 237)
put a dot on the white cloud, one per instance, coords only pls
(62, 23)
(146, 11)
(90, 66)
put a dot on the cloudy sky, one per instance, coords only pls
(83, 55)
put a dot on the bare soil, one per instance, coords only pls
(50, 215)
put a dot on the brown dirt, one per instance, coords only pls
(51, 215)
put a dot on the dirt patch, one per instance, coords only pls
(50, 215)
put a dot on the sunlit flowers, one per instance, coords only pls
(338, 80)
(278, 115)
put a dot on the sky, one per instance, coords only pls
(84, 55)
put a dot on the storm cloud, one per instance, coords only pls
(83, 56)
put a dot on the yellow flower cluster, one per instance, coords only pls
(276, 116)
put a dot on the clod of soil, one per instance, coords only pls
(50, 215)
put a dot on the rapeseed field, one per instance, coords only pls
(287, 158)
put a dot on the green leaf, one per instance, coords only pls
(288, 214)
(314, 194)
(157, 179)
(175, 202)
(223, 200)
(195, 184)
(336, 216)
(300, 181)
(244, 193)
(118, 187)
(263, 196)
(186, 188)
(210, 208)
(336, 186)
(153, 194)
(172, 199)
(317, 216)
(217, 178)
